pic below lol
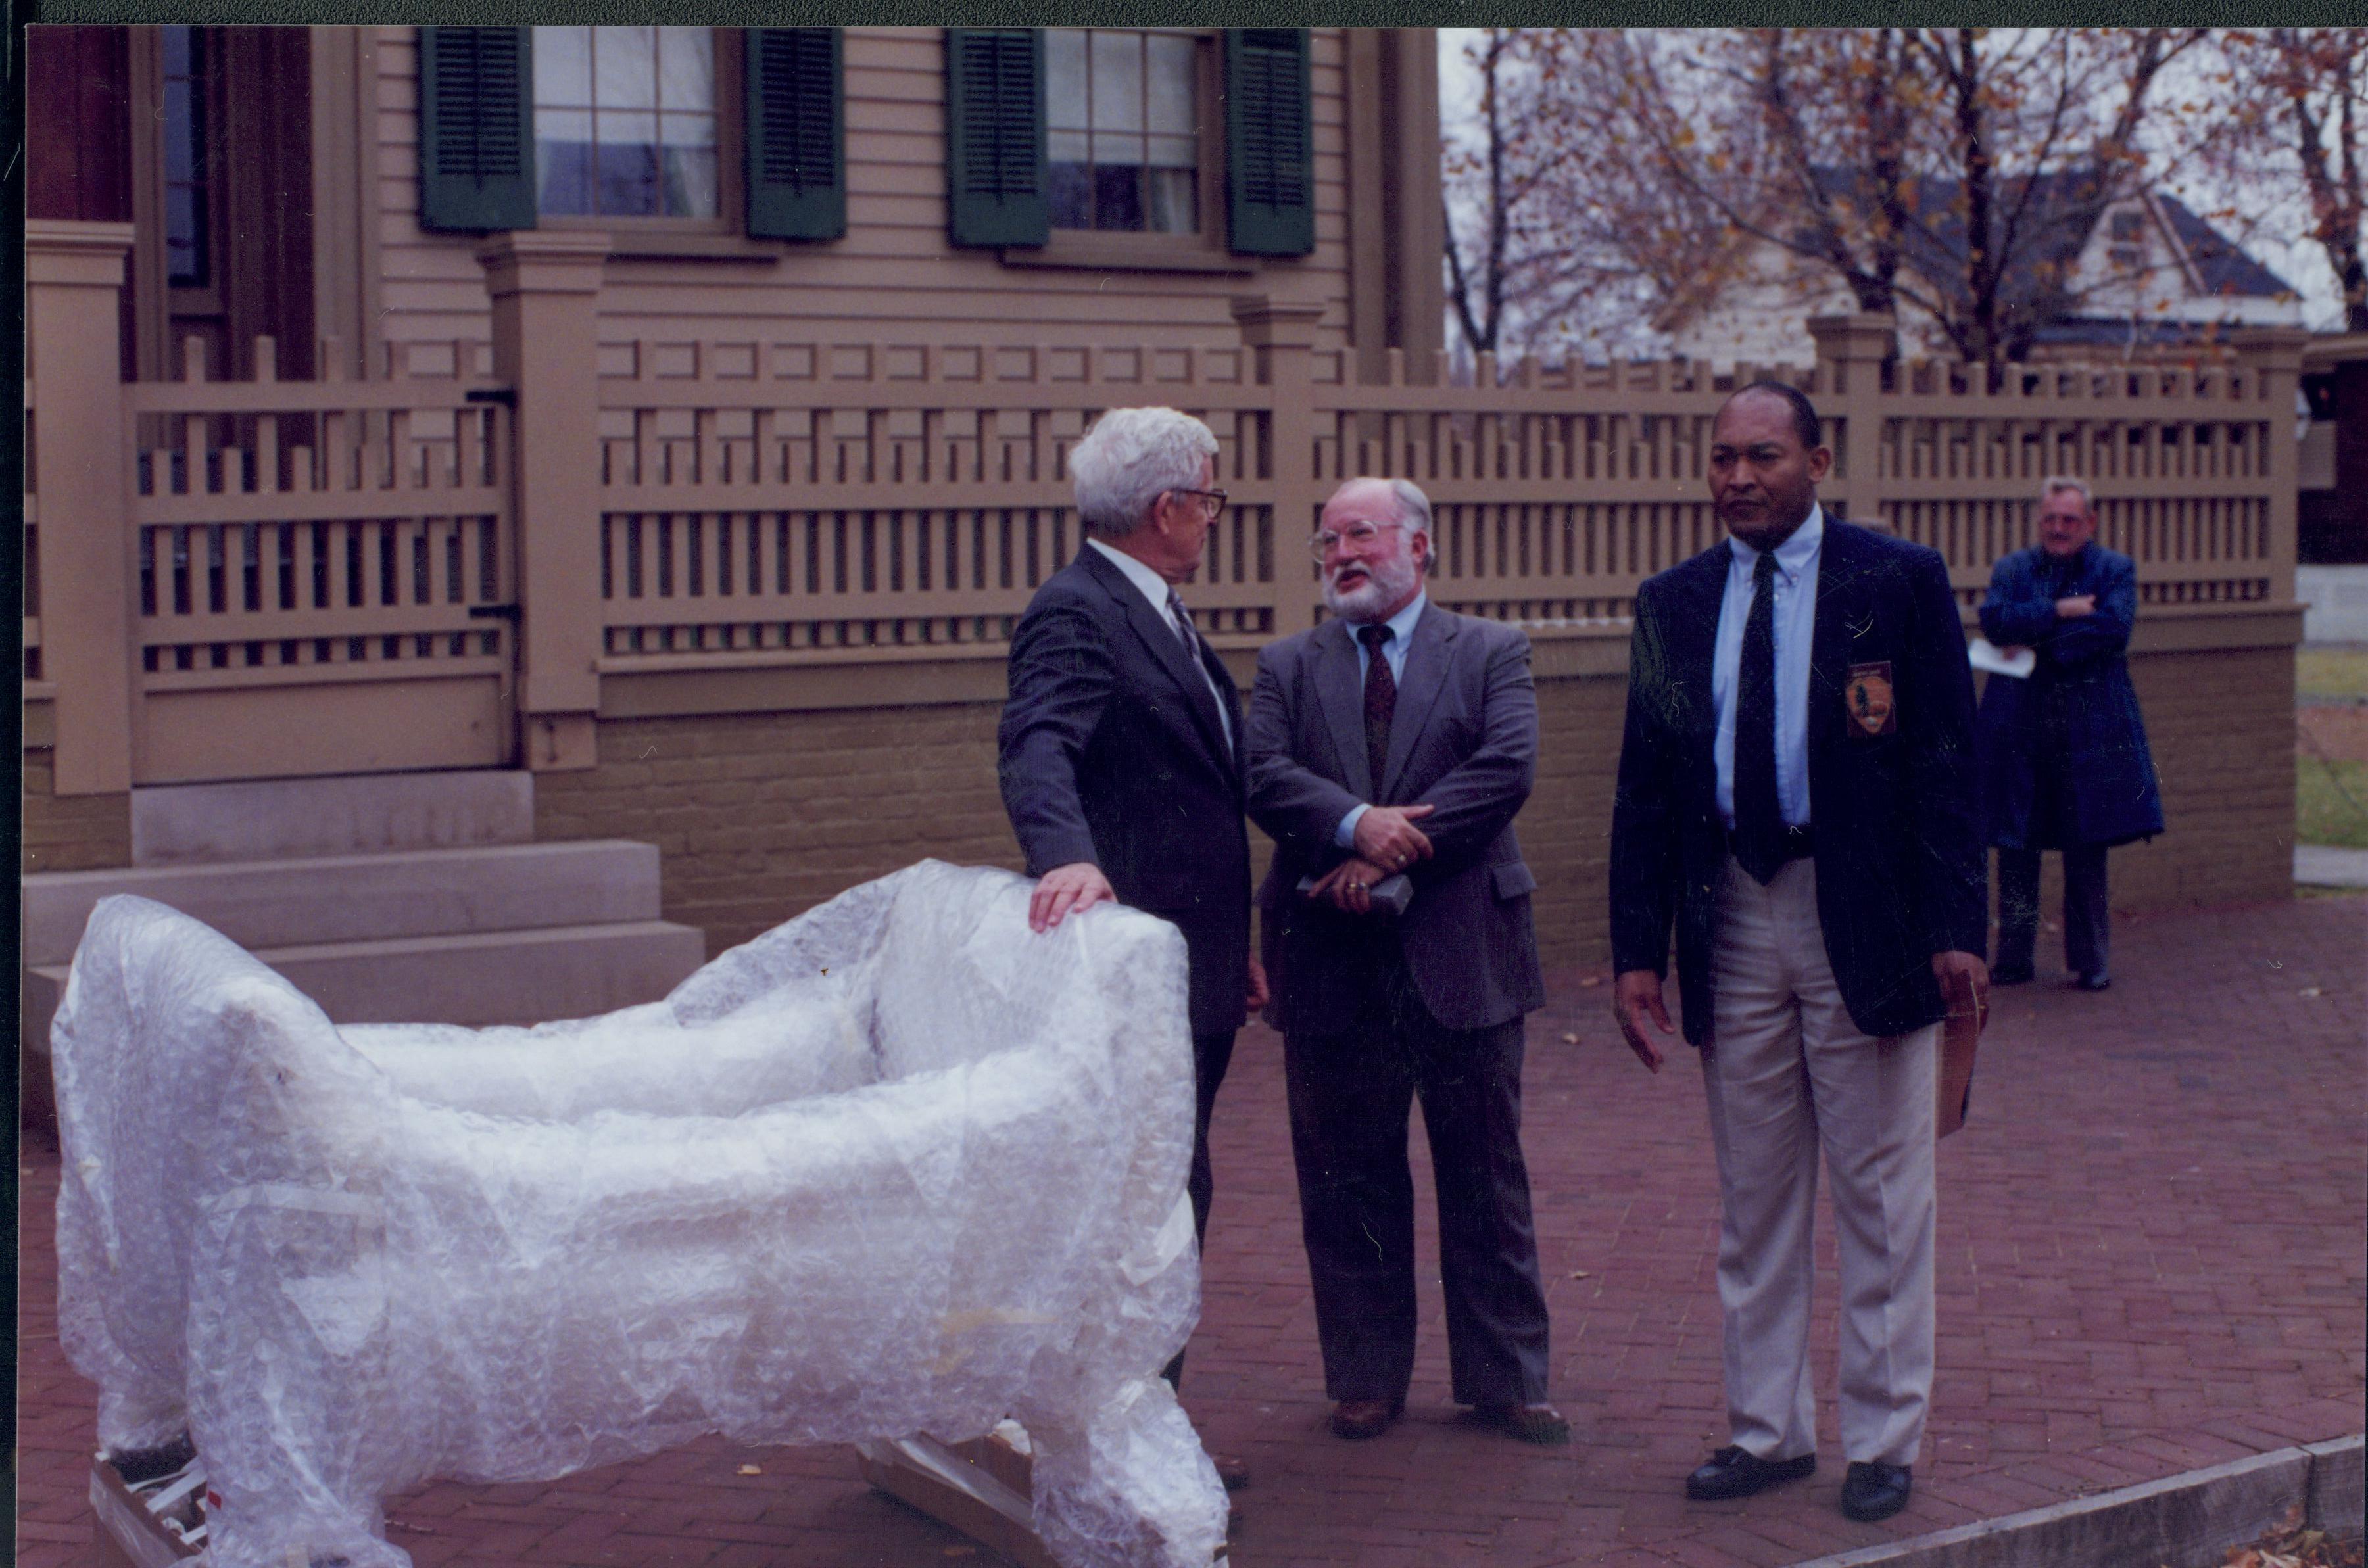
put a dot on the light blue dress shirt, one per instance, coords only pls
(1401, 626)
(1795, 623)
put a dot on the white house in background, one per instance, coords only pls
(2148, 279)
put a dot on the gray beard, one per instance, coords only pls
(1383, 585)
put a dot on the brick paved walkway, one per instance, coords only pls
(2151, 1259)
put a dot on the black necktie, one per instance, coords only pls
(1380, 699)
(1181, 619)
(1759, 820)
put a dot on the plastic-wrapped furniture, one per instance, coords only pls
(898, 1166)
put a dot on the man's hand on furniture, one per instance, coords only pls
(1066, 890)
(1386, 836)
(1637, 1003)
(1349, 884)
(1964, 984)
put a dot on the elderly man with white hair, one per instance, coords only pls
(1390, 749)
(1120, 750)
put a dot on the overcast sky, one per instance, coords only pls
(2300, 261)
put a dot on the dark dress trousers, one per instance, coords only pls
(1377, 1011)
(1901, 865)
(2064, 758)
(1111, 751)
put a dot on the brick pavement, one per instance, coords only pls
(2151, 1259)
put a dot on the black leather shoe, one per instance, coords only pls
(1875, 1491)
(1737, 1472)
(1357, 1419)
(2011, 974)
(2100, 981)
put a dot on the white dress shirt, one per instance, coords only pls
(1155, 588)
(1394, 652)
(1795, 623)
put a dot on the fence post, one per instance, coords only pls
(74, 280)
(1853, 347)
(546, 297)
(1280, 338)
(2274, 355)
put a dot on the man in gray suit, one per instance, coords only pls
(1396, 741)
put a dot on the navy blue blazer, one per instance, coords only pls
(1110, 750)
(1901, 869)
(2076, 713)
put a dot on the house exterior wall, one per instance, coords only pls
(895, 276)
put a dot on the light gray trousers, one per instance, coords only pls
(1787, 1075)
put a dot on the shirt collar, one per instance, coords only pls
(1152, 586)
(1792, 556)
(1402, 624)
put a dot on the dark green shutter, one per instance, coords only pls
(797, 143)
(476, 128)
(996, 175)
(1270, 141)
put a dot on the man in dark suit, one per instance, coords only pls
(2065, 764)
(1794, 796)
(1399, 739)
(1120, 751)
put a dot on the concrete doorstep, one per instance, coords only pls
(2188, 1521)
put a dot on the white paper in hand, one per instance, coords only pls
(1987, 655)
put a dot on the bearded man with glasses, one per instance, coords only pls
(1121, 751)
(1390, 749)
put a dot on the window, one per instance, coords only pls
(1122, 126)
(186, 209)
(625, 122)
(2128, 226)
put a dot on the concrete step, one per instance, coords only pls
(496, 977)
(360, 898)
(365, 813)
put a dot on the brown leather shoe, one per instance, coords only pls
(1233, 1470)
(1540, 1422)
(1356, 1419)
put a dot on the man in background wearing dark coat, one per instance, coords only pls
(2065, 765)
(1400, 740)
(1120, 750)
(1795, 798)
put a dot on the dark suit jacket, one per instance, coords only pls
(1901, 871)
(2077, 711)
(1464, 740)
(1110, 751)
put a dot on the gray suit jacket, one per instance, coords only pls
(1464, 740)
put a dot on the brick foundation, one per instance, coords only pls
(70, 833)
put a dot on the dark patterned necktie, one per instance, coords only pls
(1759, 820)
(1181, 619)
(1380, 699)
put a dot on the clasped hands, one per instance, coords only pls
(1386, 841)
(1636, 1003)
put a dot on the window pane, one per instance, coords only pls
(1065, 76)
(1072, 196)
(181, 133)
(1118, 197)
(176, 51)
(1174, 200)
(1173, 152)
(562, 65)
(686, 68)
(628, 178)
(625, 68)
(1118, 80)
(563, 162)
(1109, 149)
(1067, 146)
(690, 182)
(1172, 99)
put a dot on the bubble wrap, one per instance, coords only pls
(897, 1167)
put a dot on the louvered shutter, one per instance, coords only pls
(1270, 143)
(476, 128)
(996, 175)
(797, 145)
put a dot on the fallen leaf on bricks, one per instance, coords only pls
(1590, 980)
(2309, 991)
(752, 1469)
(1578, 1273)
(1570, 1040)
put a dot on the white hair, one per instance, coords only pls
(1129, 458)
(2079, 486)
(1414, 506)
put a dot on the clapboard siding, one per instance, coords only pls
(895, 274)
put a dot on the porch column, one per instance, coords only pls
(1279, 338)
(1852, 349)
(78, 496)
(546, 295)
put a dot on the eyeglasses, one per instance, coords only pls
(1212, 502)
(1326, 541)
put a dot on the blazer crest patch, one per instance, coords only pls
(1868, 699)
